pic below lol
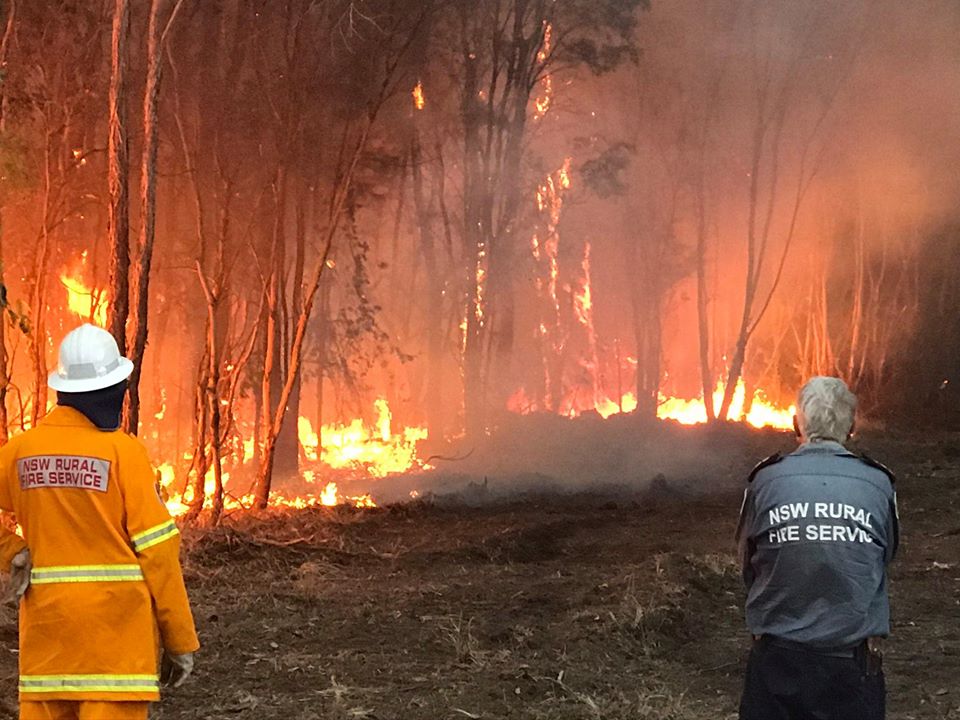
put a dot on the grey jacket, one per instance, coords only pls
(817, 530)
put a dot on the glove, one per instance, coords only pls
(20, 568)
(175, 669)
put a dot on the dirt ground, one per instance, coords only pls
(560, 606)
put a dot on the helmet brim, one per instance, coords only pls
(120, 373)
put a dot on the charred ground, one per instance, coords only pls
(544, 605)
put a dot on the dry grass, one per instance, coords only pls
(459, 633)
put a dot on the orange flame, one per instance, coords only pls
(88, 304)
(329, 494)
(419, 100)
(374, 450)
(545, 248)
(481, 285)
(762, 412)
(545, 99)
(607, 407)
(355, 446)
(583, 296)
(180, 504)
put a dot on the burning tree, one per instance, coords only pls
(392, 44)
(304, 183)
(505, 50)
(783, 157)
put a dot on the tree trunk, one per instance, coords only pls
(117, 178)
(272, 420)
(473, 233)
(703, 329)
(268, 405)
(321, 335)
(493, 114)
(288, 444)
(645, 302)
(139, 291)
(433, 388)
(4, 356)
(37, 337)
(647, 333)
(199, 465)
(743, 333)
(213, 402)
(273, 378)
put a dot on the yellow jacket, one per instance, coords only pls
(106, 567)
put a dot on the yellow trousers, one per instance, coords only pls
(83, 710)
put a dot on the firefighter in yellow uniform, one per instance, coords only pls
(98, 566)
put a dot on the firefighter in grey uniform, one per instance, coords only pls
(817, 529)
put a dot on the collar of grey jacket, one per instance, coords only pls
(822, 447)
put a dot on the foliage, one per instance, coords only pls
(16, 315)
(604, 174)
(358, 341)
(601, 33)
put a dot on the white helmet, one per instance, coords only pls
(89, 360)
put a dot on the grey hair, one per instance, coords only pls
(825, 410)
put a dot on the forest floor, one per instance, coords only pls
(560, 606)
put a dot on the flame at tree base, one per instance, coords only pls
(180, 504)
(760, 412)
(361, 451)
(379, 452)
(347, 451)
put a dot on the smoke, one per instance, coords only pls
(858, 104)
(618, 457)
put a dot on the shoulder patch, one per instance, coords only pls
(867, 460)
(766, 462)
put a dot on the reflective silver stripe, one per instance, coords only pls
(89, 683)
(88, 371)
(86, 573)
(154, 535)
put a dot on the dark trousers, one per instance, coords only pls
(794, 684)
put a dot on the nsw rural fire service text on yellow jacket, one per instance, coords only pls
(106, 572)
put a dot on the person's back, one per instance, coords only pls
(822, 534)
(817, 529)
(104, 551)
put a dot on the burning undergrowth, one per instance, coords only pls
(364, 465)
(531, 461)
(622, 455)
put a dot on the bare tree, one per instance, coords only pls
(776, 92)
(143, 256)
(699, 183)
(117, 177)
(4, 303)
(229, 332)
(54, 99)
(503, 56)
(393, 46)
